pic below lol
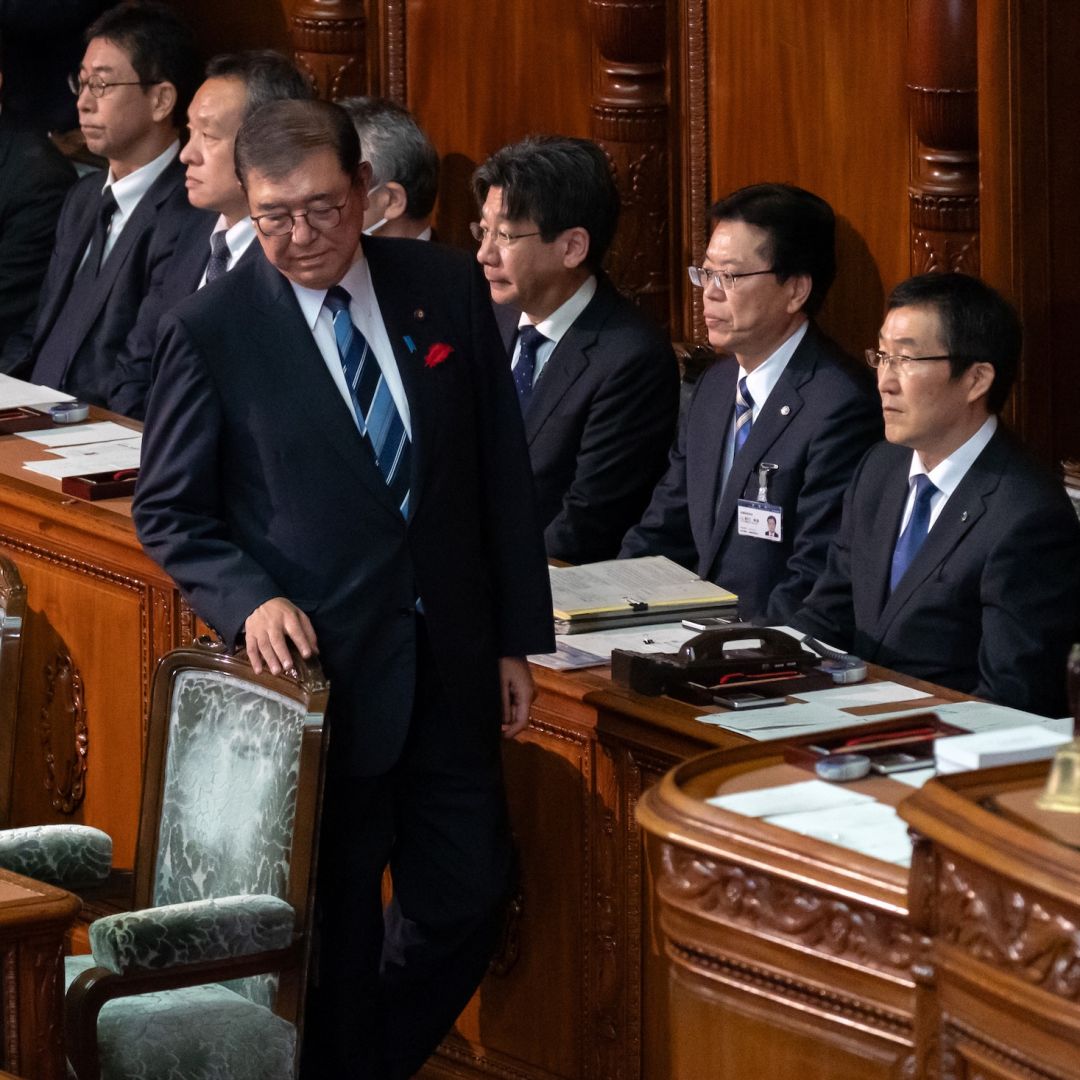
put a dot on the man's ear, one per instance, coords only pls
(800, 286)
(577, 247)
(397, 202)
(163, 101)
(981, 375)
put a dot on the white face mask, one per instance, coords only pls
(382, 221)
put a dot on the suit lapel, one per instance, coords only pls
(71, 256)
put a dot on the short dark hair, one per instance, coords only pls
(397, 149)
(276, 138)
(559, 183)
(159, 44)
(978, 325)
(267, 76)
(801, 227)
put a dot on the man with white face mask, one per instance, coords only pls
(404, 168)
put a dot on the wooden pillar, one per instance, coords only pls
(329, 45)
(942, 82)
(630, 120)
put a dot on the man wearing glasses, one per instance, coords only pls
(596, 380)
(333, 458)
(133, 87)
(958, 560)
(776, 426)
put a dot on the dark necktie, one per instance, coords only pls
(218, 264)
(911, 539)
(744, 415)
(106, 209)
(378, 417)
(525, 369)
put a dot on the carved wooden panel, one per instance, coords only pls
(330, 46)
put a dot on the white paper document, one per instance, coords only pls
(80, 434)
(1005, 746)
(803, 797)
(785, 721)
(982, 716)
(112, 456)
(850, 697)
(875, 829)
(15, 392)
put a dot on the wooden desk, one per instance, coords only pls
(33, 920)
(995, 885)
(100, 613)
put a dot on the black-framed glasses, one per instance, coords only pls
(902, 365)
(319, 218)
(702, 276)
(500, 237)
(98, 86)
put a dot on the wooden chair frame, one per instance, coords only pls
(13, 603)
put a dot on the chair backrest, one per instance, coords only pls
(12, 617)
(232, 785)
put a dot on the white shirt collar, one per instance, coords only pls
(766, 375)
(238, 237)
(562, 318)
(946, 475)
(130, 189)
(357, 282)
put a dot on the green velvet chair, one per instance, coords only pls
(206, 980)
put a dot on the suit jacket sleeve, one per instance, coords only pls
(626, 436)
(178, 504)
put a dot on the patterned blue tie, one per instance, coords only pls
(218, 263)
(525, 369)
(744, 415)
(911, 539)
(373, 403)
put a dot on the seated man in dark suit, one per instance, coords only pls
(236, 85)
(404, 168)
(34, 178)
(134, 84)
(597, 381)
(958, 560)
(774, 428)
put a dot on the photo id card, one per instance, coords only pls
(761, 519)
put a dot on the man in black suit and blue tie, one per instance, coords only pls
(133, 86)
(223, 236)
(333, 458)
(958, 560)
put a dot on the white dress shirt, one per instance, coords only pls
(554, 327)
(238, 239)
(366, 317)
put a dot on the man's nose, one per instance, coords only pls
(487, 254)
(302, 232)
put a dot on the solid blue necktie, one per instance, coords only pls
(744, 414)
(525, 369)
(911, 539)
(378, 417)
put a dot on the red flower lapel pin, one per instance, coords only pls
(437, 353)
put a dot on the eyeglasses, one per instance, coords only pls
(319, 218)
(701, 276)
(98, 86)
(902, 365)
(501, 238)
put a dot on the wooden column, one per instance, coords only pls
(329, 45)
(942, 86)
(630, 120)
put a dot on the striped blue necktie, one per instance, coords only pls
(378, 417)
(744, 414)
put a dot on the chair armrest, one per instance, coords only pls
(200, 931)
(71, 856)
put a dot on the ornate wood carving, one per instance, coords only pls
(329, 46)
(10, 981)
(387, 77)
(1008, 927)
(764, 902)
(47, 977)
(943, 94)
(630, 119)
(64, 712)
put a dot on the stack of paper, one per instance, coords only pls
(1003, 746)
(86, 448)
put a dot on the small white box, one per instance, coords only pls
(1005, 746)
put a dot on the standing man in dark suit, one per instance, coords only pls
(133, 87)
(958, 560)
(776, 426)
(597, 381)
(34, 178)
(237, 84)
(333, 457)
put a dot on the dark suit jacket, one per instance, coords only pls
(991, 602)
(34, 178)
(816, 424)
(255, 483)
(95, 333)
(599, 424)
(174, 279)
